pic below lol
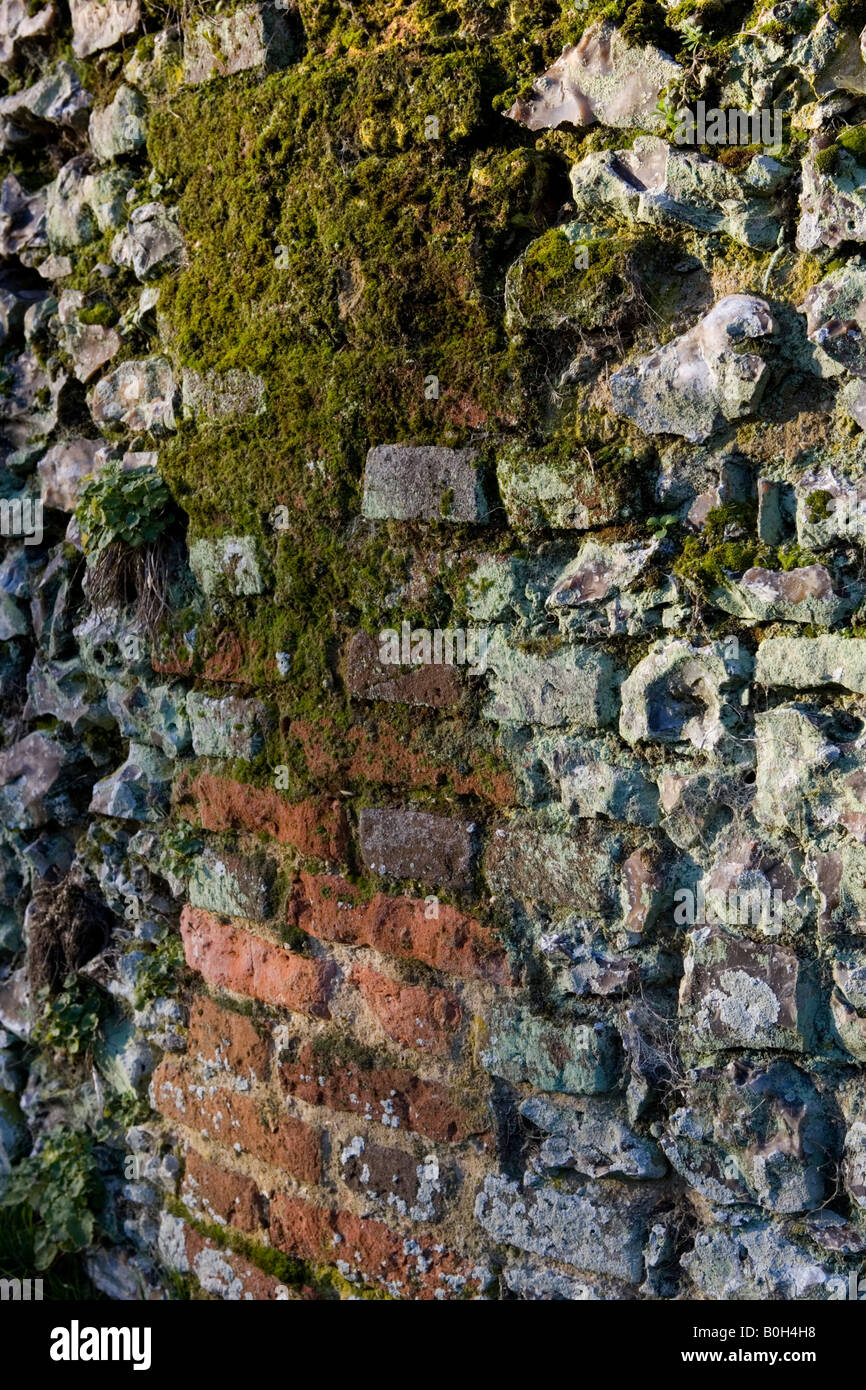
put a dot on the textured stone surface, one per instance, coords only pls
(423, 483)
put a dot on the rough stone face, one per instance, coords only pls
(90, 346)
(696, 384)
(804, 663)
(58, 99)
(656, 183)
(423, 483)
(368, 678)
(601, 78)
(230, 727)
(120, 127)
(22, 217)
(759, 1263)
(233, 886)
(592, 1137)
(230, 563)
(151, 244)
(572, 687)
(139, 395)
(737, 993)
(17, 25)
(413, 844)
(139, 790)
(554, 868)
(585, 1228)
(758, 1134)
(98, 24)
(679, 694)
(254, 36)
(579, 1059)
(834, 309)
(63, 469)
(804, 595)
(36, 776)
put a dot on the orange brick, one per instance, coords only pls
(228, 957)
(417, 1017)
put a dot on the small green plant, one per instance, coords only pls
(132, 506)
(668, 112)
(158, 975)
(69, 1021)
(60, 1183)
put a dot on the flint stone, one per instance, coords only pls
(699, 382)
(655, 183)
(140, 395)
(154, 714)
(227, 727)
(17, 25)
(758, 1263)
(254, 36)
(831, 506)
(589, 1229)
(754, 1133)
(62, 471)
(804, 663)
(832, 205)
(139, 790)
(57, 99)
(574, 686)
(36, 777)
(804, 595)
(793, 754)
(119, 128)
(592, 1137)
(834, 310)
(98, 24)
(423, 483)
(679, 693)
(234, 885)
(22, 218)
(89, 345)
(436, 850)
(63, 690)
(737, 993)
(151, 244)
(601, 78)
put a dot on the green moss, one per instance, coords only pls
(729, 545)
(826, 161)
(853, 139)
(819, 504)
(647, 22)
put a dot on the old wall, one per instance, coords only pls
(330, 969)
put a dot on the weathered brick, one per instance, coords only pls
(234, 1119)
(379, 1173)
(330, 909)
(418, 1017)
(371, 1250)
(316, 827)
(379, 753)
(215, 1194)
(225, 1040)
(367, 678)
(393, 1096)
(423, 483)
(229, 1276)
(413, 844)
(228, 957)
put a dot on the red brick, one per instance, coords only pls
(424, 1019)
(327, 907)
(228, 957)
(215, 1194)
(393, 1096)
(230, 1118)
(230, 1276)
(375, 752)
(226, 1040)
(369, 1249)
(315, 827)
